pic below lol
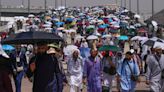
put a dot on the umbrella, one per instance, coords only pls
(7, 47)
(72, 30)
(159, 44)
(149, 43)
(2, 52)
(92, 37)
(60, 28)
(156, 39)
(69, 49)
(47, 25)
(32, 37)
(139, 38)
(109, 48)
(31, 16)
(97, 34)
(142, 31)
(78, 37)
(137, 16)
(59, 24)
(106, 36)
(123, 37)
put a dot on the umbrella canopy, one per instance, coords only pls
(159, 44)
(32, 37)
(7, 47)
(123, 37)
(69, 49)
(109, 48)
(156, 39)
(150, 43)
(106, 36)
(92, 37)
(79, 37)
(139, 38)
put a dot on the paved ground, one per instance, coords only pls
(27, 86)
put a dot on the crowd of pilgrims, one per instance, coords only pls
(89, 68)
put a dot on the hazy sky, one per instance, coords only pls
(145, 5)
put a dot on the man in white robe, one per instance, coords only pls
(75, 71)
(153, 75)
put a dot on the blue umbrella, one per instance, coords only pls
(69, 19)
(123, 37)
(7, 47)
(59, 24)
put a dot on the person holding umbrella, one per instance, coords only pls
(45, 70)
(109, 71)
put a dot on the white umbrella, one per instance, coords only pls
(154, 23)
(106, 36)
(97, 34)
(137, 16)
(60, 28)
(31, 16)
(78, 37)
(157, 39)
(47, 25)
(139, 38)
(72, 31)
(92, 37)
(159, 45)
(69, 49)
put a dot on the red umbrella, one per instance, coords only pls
(142, 31)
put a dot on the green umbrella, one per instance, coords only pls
(90, 28)
(109, 48)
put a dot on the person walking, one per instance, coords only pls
(19, 66)
(5, 71)
(93, 72)
(45, 70)
(109, 71)
(128, 72)
(154, 71)
(75, 71)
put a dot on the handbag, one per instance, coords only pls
(112, 70)
(133, 76)
(105, 89)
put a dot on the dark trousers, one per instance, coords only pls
(18, 81)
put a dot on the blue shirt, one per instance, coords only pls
(125, 74)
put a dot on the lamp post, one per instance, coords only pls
(23, 3)
(56, 3)
(152, 9)
(61, 2)
(0, 12)
(45, 5)
(121, 3)
(28, 6)
(65, 3)
(125, 4)
(130, 2)
(138, 10)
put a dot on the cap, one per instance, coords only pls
(54, 45)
